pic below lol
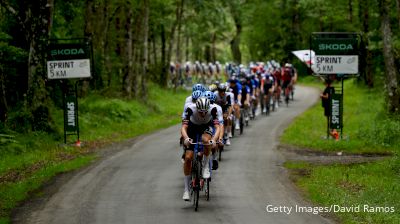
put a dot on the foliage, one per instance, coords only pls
(365, 186)
(27, 161)
(367, 128)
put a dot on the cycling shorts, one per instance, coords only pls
(286, 84)
(195, 132)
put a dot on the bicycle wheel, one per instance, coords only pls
(197, 186)
(220, 153)
(207, 189)
(292, 94)
(241, 125)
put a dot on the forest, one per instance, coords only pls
(134, 42)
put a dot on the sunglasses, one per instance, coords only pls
(203, 111)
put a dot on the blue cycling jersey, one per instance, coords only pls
(236, 90)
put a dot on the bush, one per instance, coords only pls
(385, 132)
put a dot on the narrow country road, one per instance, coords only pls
(144, 183)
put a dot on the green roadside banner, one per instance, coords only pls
(336, 105)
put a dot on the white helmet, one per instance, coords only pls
(203, 104)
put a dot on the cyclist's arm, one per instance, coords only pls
(247, 101)
(239, 98)
(185, 123)
(214, 114)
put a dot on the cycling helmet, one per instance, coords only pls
(212, 87)
(197, 94)
(222, 87)
(203, 104)
(208, 94)
(213, 97)
(198, 86)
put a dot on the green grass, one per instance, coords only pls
(368, 130)
(29, 160)
(372, 184)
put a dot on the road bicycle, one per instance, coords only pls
(198, 183)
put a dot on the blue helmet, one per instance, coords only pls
(196, 94)
(198, 86)
(211, 96)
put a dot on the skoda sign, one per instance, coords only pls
(336, 53)
(66, 61)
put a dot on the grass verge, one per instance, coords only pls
(30, 160)
(374, 187)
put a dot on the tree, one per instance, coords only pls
(392, 89)
(35, 20)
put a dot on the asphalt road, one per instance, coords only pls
(144, 182)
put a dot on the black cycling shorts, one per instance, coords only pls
(195, 132)
(285, 84)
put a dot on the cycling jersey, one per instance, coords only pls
(219, 113)
(197, 124)
(236, 90)
(245, 91)
(267, 82)
(192, 116)
(188, 101)
(225, 101)
(251, 86)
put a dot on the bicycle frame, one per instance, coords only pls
(197, 183)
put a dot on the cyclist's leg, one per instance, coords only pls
(237, 115)
(187, 169)
(206, 137)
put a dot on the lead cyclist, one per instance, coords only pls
(199, 119)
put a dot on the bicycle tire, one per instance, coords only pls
(207, 189)
(197, 186)
(241, 125)
(233, 128)
(220, 153)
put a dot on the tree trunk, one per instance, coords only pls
(398, 11)
(39, 21)
(366, 59)
(104, 43)
(392, 89)
(187, 48)
(154, 49)
(164, 63)
(88, 33)
(350, 3)
(128, 78)
(145, 49)
(213, 47)
(234, 7)
(3, 98)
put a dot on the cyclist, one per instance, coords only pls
(277, 77)
(212, 97)
(198, 91)
(199, 119)
(287, 77)
(245, 99)
(252, 86)
(225, 100)
(267, 87)
(237, 93)
(193, 97)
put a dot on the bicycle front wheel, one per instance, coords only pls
(207, 189)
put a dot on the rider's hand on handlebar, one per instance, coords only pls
(221, 142)
(187, 142)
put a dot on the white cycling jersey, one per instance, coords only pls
(219, 113)
(188, 101)
(192, 115)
